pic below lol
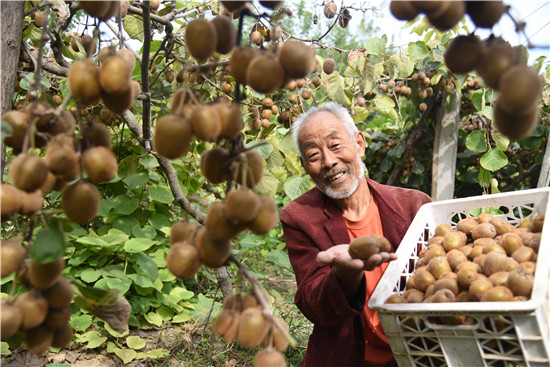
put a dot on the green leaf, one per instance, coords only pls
(493, 160)
(263, 147)
(6, 130)
(93, 339)
(370, 73)
(4, 348)
(125, 204)
(181, 293)
(49, 244)
(158, 353)
(267, 185)
(478, 99)
(165, 312)
(154, 319)
(384, 103)
(162, 194)
(335, 88)
(127, 355)
(81, 322)
(404, 64)
(145, 264)
(137, 180)
(93, 241)
(275, 159)
(476, 141)
(146, 231)
(90, 275)
(376, 45)
(487, 111)
(280, 258)
(418, 50)
(138, 244)
(501, 141)
(288, 145)
(149, 162)
(135, 342)
(140, 280)
(114, 237)
(296, 186)
(133, 25)
(128, 166)
(126, 224)
(484, 177)
(115, 284)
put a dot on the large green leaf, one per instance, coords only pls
(476, 141)
(376, 45)
(267, 185)
(127, 355)
(125, 204)
(494, 160)
(296, 186)
(501, 141)
(90, 275)
(135, 245)
(48, 245)
(369, 75)
(133, 25)
(335, 88)
(135, 342)
(405, 66)
(418, 50)
(93, 339)
(162, 194)
(146, 264)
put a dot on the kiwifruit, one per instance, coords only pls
(256, 38)
(89, 44)
(501, 226)
(455, 257)
(271, 4)
(80, 201)
(266, 113)
(499, 278)
(96, 8)
(524, 253)
(172, 136)
(32, 202)
(498, 57)
(465, 277)
(241, 205)
(307, 93)
(250, 169)
(265, 74)
(435, 240)
(38, 18)
(423, 279)
(217, 222)
(485, 14)
(537, 223)
(466, 224)
(403, 10)
(266, 218)
(413, 296)
(253, 327)
(234, 302)
(28, 172)
(442, 229)
(493, 247)
(433, 8)
(213, 252)
(11, 318)
(485, 217)
(12, 201)
(438, 265)
(121, 102)
(480, 259)
(447, 283)
(62, 336)
(449, 17)
(269, 357)
(275, 33)
(206, 122)
(38, 339)
(183, 260)
(114, 75)
(444, 295)
(329, 65)
(433, 251)
(60, 294)
(455, 240)
(96, 134)
(33, 307)
(57, 317)
(296, 59)
(520, 87)
(12, 256)
(105, 52)
(478, 287)
(466, 250)
(484, 230)
(279, 340)
(469, 265)
(231, 120)
(19, 122)
(515, 125)
(182, 230)
(239, 61)
(83, 79)
(100, 164)
(250, 300)
(520, 282)
(201, 38)
(65, 123)
(330, 9)
(128, 56)
(530, 266)
(463, 54)
(45, 275)
(224, 320)
(169, 75)
(494, 262)
(511, 264)
(363, 247)
(60, 158)
(511, 242)
(214, 164)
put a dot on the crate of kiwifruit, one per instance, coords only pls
(470, 286)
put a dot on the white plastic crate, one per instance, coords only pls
(506, 334)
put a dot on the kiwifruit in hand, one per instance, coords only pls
(12, 256)
(100, 164)
(96, 134)
(241, 205)
(62, 336)
(226, 34)
(214, 164)
(498, 57)
(483, 230)
(183, 260)
(296, 59)
(182, 230)
(45, 275)
(464, 54)
(485, 14)
(19, 122)
(57, 317)
(269, 357)
(33, 307)
(251, 166)
(266, 218)
(60, 294)
(114, 75)
(403, 10)
(450, 16)
(265, 74)
(206, 122)
(218, 223)
(172, 136)
(231, 120)
(80, 202)
(83, 79)
(11, 318)
(213, 252)
(32, 202)
(201, 38)
(239, 61)
(253, 327)
(12, 201)
(520, 282)
(28, 172)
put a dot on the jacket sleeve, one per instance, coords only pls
(319, 295)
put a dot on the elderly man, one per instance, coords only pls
(333, 289)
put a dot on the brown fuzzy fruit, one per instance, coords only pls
(330, 9)
(33, 307)
(61, 158)
(182, 231)
(265, 74)
(478, 287)
(100, 164)
(484, 230)
(105, 52)
(45, 275)
(447, 283)
(251, 166)
(329, 65)
(60, 294)
(444, 295)
(239, 61)
(205, 120)
(83, 79)
(520, 282)
(269, 357)
(455, 257)
(524, 254)
(183, 260)
(498, 57)
(463, 54)
(241, 205)
(224, 322)
(266, 218)
(511, 242)
(119, 103)
(57, 317)
(38, 18)
(215, 164)
(520, 87)
(442, 229)
(226, 34)
(423, 279)
(89, 44)
(494, 262)
(80, 202)
(485, 14)
(499, 278)
(213, 252)
(11, 318)
(12, 256)
(96, 134)
(201, 38)
(218, 223)
(363, 247)
(438, 266)
(115, 75)
(19, 122)
(231, 120)
(253, 327)
(128, 56)
(296, 59)
(38, 339)
(450, 17)
(280, 342)
(454, 240)
(62, 336)
(12, 200)
(498, 294)
(172, 136)
(28, 172)
(465, 277)
(403, 10)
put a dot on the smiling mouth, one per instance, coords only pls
(335, 177)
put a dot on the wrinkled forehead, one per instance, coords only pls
(323, 124)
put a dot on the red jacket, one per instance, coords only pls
(313, 223)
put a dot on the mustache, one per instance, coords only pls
(334, 171)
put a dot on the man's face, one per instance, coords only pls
(330, 156)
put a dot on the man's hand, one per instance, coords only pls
(339, 257)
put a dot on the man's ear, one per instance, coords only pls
(360, 141)
(302, 162)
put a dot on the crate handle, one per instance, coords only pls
(434, 326)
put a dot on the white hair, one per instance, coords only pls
(333, 107)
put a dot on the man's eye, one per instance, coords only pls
(312, 156)
(335, 146)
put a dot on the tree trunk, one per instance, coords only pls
(11, 13)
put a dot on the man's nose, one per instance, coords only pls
(329, 159)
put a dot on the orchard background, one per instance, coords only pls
(398, 96)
